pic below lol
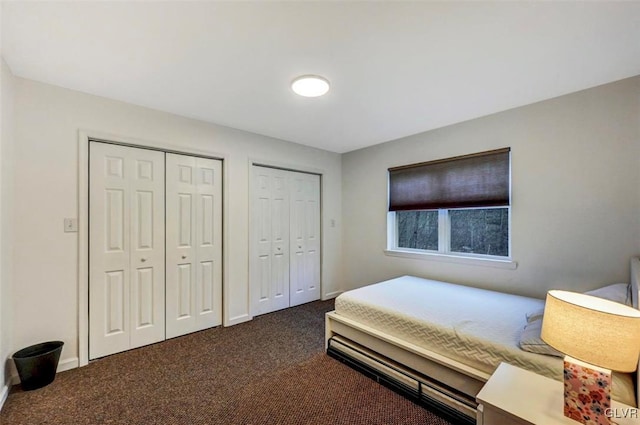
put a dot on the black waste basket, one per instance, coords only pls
(37, 364)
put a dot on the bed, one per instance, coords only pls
(439, 342)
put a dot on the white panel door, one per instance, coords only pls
(126, 248)
(194, 244)
(305, 238)
(269, 262)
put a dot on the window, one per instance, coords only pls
(458, 206)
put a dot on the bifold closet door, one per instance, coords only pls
(305, 238)
(194, 244)
(269, 263)
(126, 248)
(285, 239)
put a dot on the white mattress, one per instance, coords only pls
(477, 327)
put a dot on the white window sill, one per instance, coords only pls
(457, 259)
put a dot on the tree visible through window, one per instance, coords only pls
(418, 229)
(480, 231)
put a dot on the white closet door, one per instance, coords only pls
(305, 238)
(208, 243)
(126, 248)
(194, 244)
(269, 263)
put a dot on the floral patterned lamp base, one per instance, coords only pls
(587, 392)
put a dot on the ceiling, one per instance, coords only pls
(396, 68)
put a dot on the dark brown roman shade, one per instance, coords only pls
(477, 180)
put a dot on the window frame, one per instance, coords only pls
(444, 252)
(444, 221)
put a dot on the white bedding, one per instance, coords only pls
(477, 327)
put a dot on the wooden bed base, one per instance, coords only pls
(443, 382)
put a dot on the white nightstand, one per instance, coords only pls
(513, 396)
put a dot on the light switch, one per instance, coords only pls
(70, 225)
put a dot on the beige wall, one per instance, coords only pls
(7, 83)
(575, 198)
(47, 123)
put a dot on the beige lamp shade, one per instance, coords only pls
(597, 331)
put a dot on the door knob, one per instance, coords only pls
(279, 248)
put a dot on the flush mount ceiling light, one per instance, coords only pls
(310, 85)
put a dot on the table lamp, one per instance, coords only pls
(597, 336)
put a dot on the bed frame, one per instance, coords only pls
(429, 378)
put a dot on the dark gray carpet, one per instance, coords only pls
(269, 371)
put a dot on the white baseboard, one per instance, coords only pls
(66, 364)
(331, 295)
(4, 393)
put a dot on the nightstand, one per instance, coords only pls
(513, 396)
